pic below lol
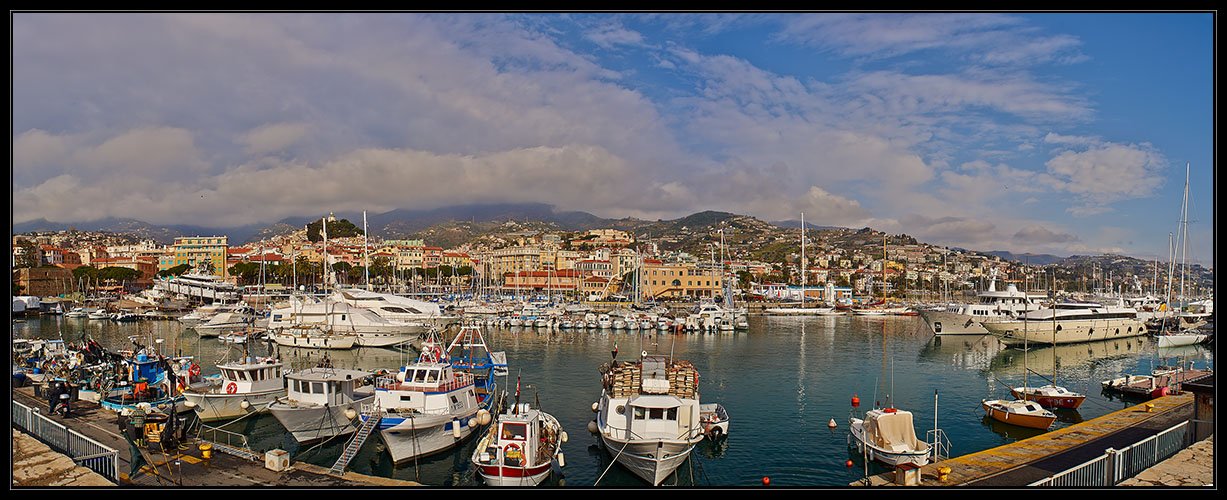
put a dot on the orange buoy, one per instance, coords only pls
(856, 402)
(848, 463)
(766, 481)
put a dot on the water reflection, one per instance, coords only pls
(1010, 432)
(969, 352)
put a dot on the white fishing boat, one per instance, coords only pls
(323, 402)
(246, 386)
(427, 408)
(520, 448)
(648, 417)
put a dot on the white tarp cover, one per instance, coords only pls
(890, 431)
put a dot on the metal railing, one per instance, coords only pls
(89, 453)
(1115, 466)
(227, 442)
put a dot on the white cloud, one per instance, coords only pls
(1108, 172)
(613, 34)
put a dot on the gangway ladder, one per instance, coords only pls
(355, 444)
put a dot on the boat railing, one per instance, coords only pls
(458, 380)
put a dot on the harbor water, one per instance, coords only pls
(782, 381)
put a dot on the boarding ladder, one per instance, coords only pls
(355, 444)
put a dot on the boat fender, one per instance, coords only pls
(562, 461)
(472, 422)
(563, 436)
(456, 428)
(594, 407)
(244, 404)
(592, 427)
(189, 403)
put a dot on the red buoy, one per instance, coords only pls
(1159, 392)
(856, 402)
(848, 463)
(766, 481)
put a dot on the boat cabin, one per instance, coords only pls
(659, 416)
(325, 386)
(259, 375)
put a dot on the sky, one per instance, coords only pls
(1061, 133)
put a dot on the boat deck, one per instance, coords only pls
(193, 469)
(1023, 462)
(1144, 388)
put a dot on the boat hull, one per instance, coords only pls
(501, 475)
(1067, 332)
(950, 323)
(1179, 339)
(421, 435)
(1063, 402)
(213, 406)
(651, 460)
(1029, 421)
(310, 423)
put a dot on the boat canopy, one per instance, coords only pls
(653, 401)
(893, 431)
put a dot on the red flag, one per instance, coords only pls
(517, 387)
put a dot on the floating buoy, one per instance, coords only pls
(831, 424)
(562, 461)
(856, 402)
(766, 481)
(593, 428)
(563, 437)
(848, 463)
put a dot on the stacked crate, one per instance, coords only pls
(625, 380)
(683, 380)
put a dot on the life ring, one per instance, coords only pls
(232, 388)
(512, 452)
(194, 370)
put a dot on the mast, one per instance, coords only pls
(803, 260)
(1184, 228)
(366, 255)
(1025, 344)
(327, 271)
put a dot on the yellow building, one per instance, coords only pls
(660, 280)
(196, 250)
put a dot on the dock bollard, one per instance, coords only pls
(943, 473)
(1150, 407)
(206, 450)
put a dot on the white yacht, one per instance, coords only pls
(967, 319)
(1067, 323)
(322, 402)
(238, 317)
(890, 437)
(395, 308)
(371, 329)
(648, 417)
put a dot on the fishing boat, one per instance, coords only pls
(248, 385)
(520, 448)
(427, 408)
(648, 414)
(322, 402)
(149, 383)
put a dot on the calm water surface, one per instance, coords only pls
(782, 381)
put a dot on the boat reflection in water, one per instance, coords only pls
(1010, 432)
(969, 352)
(1066, 356)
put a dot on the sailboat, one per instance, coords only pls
(1181, 329)
(802, 310)
(1051, 395)
(1020, 412)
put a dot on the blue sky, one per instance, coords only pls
(1049, 133)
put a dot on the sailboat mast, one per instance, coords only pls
(1025, 344)
(366, 255)
(802, 260)
(1184, 228)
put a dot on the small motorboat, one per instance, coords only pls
(715, 420)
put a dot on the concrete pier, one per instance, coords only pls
(36, 464)
(1192, 466)
(1023, 462)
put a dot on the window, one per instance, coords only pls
(454, 400)
(640, 414)
(937, 327)
(317, 387)
(671, 414)
(242, 375)
(657, 414)
(406, 398)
